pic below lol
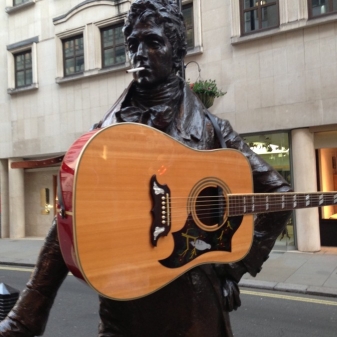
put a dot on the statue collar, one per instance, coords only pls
(189, 121)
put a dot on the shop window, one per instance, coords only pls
(73, 55)
(321, 7)
(327, 182)
(274, 149)
(257, 15)
(187, 11)
(113, 46)
(23, 69)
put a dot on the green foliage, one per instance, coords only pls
(207, 87)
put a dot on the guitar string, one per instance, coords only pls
(233, 211)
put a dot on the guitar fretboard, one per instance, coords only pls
(240, 204)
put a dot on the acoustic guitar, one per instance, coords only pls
(139, 209)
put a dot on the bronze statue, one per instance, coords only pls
(197, 303)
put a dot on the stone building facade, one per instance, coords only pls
(63, 65)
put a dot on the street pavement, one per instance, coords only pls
(285, 270)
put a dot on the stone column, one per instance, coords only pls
(305, 180)
(4, 198)
(16, 202)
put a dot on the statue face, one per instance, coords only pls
(149, 47)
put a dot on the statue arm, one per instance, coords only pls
(267, 227)
(29, 316)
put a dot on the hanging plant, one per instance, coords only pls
(207, 91)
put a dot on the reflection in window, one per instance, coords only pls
(274, 149)
(258, 15)
(73, 55)
(19, 2)
(23, 69)
(113, 46)
(187, 11)
(321, 7)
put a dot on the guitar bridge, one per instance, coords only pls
(161, 211)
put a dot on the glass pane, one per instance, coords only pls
(19, 62)
(68, 48)
(334, 5)
(319, 7)
(108, 38)
(79, 64)
(249, 3)
(190, 38)
(269, 16)
(79, 46)
(188, 18)
(69, 67)
(19, 2)
(29, 77)
(28, 60)
(251, 21)
(119, 35)
(108, 57)
(20, 79)
(120, 54)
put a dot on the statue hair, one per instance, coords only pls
(167, 14)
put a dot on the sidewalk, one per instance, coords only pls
(291, 271)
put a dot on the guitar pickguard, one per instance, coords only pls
(192, 241)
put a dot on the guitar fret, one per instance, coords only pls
(253, 204)
(307, 202)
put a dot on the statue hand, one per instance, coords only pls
(231, 294)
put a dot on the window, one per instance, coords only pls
(321, 7)
(23, 69)
(22, 66)
(19, 2)
(113, 46)
(258, 15)
(73, 55)
(187, 11)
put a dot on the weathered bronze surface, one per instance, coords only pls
(197, 303)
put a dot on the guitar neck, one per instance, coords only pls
(241, 204)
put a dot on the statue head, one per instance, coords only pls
(155, 38)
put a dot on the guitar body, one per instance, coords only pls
(117, 185)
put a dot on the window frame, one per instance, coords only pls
(329, 12)
(64, 58)
(115, 64)
(25, 69)
(11, 7)
(258, 6)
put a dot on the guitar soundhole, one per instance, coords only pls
(210, 206)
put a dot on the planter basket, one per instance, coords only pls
(206, 99)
